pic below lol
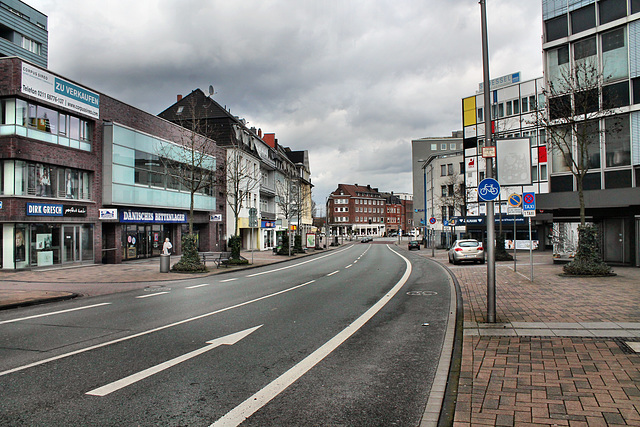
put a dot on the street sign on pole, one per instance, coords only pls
(529, 204)
(489, 189)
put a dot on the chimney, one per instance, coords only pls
(179, 98)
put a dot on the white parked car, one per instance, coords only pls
(466, 250)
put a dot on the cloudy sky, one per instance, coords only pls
(351, 81)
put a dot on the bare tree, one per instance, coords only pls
(242, 178)
(191, 165)
(572, 119)
(453, 195)
(287, 197)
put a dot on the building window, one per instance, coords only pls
(42, 180)
(584, 48)
(480, 115)
(557, 66)
(443, 170)
(443, 190)
(556, 28)
(610, 10)
(582, 19)
(434, 147)
(31, 45)
(615, 64)
(617, 141)
(615, 95)
(516, 106)
(44, 124)
(509, 108)
(450, 169)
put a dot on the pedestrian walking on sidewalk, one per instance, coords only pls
(166, 247)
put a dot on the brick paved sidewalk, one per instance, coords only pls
(549, 380)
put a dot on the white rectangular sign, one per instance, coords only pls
(529, 213)
(514, 161)
(52, 89)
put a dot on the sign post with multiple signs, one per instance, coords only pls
(514, 208)
(529, 209)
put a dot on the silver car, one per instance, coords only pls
(466, 250)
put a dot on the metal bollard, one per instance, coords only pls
(165, 263)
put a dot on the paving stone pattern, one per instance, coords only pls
(549, 380)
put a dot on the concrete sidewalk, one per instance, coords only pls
(560, 352)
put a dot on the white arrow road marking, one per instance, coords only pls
(247, 408)
(117, 385)
(55, 312)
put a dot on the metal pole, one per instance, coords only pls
(433, 238)
(514, 242)
(424, 190)
(530, 250)
(491, 259)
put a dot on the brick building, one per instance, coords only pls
(83, 176)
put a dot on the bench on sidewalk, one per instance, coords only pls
(219, 258)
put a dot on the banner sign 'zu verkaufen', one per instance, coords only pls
(53, 89)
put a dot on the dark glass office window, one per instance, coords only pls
(561, 183)
(556, 28)
(611, 10)
(583, 18)
(586, 101)
(636, 89)
(615, 95)
(635, 6)
(591, 181)
(617, 179)
(584, 48)
(613, 40)
(560, 106)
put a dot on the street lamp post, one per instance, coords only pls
(429, 162)
(491, 260)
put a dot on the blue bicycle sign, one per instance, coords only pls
(489, 189)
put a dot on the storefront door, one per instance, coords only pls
(71, 239)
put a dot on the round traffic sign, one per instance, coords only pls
(529, 198)
(515, 200)
(489, 189)
(432, 220)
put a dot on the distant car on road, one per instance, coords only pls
(414, 244)
(366, 239)
(466, 250)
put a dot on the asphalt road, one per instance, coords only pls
(350, 337)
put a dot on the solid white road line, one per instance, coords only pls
(52, 313)
(153, 295)
(247, 408)
(117, 385)
(150, 331)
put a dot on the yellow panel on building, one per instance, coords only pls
(469, 111)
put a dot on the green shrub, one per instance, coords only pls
(190, 261)
(235, 244)
(588, 261)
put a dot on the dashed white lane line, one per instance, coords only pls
(52, 313)
(152, 295)
(335, 272)
(228, 280)
(198, 286)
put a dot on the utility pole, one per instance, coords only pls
(491, 259)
